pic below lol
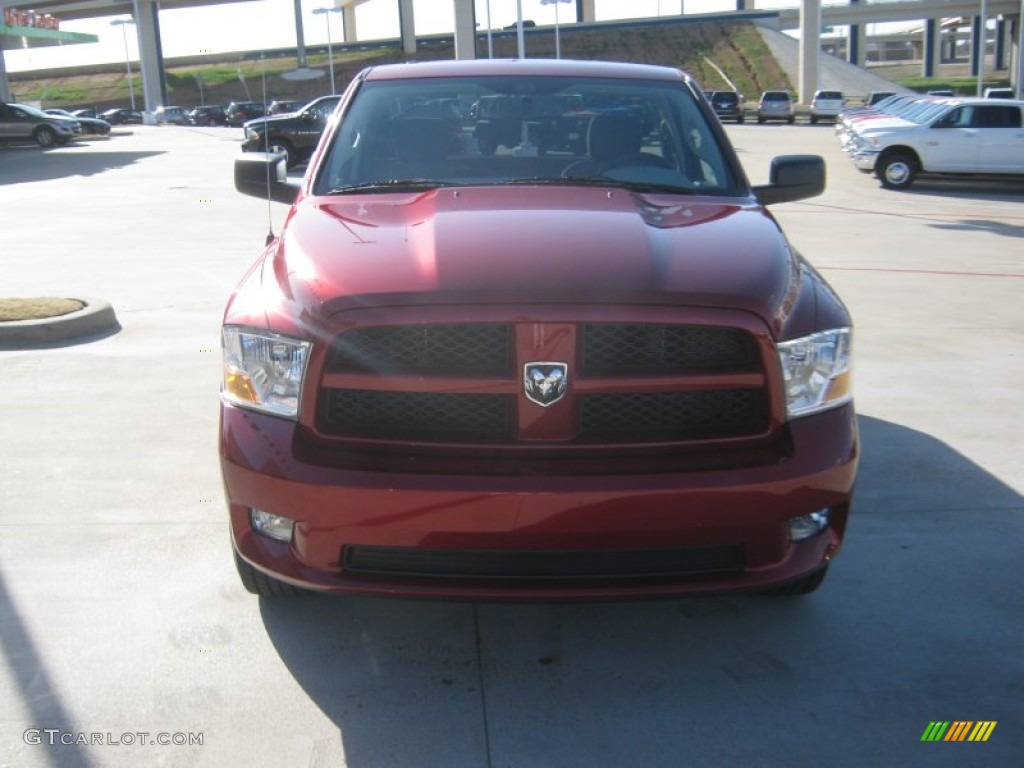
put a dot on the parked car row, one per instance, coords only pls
(21, 122)
(775, 105)
(56, 127)
(902, 137)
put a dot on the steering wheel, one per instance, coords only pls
(595, 168)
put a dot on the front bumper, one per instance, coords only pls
(339, 509)
(864, 159)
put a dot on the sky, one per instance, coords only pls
(260, 24)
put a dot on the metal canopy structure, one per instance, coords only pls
(33, 37)
(144, 13)
(71, 10)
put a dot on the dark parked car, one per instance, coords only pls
(214, 115)
(238, 112)
(728, 105)
(90, 125)
(20, 122)
(520, 376)
(122, 116)
(294, 135)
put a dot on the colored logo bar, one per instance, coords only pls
(958, 730)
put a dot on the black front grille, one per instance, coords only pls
(632, 418)
(413, 562)
(477, 349)
(427, 416)
(412, 410)
(633, 349)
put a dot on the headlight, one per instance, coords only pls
(252, 135)
(816, 370)
(263, 371)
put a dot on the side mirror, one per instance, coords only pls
(265, 175)
(793, 177)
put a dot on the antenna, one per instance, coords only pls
(266, 147)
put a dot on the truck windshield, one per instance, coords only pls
(471, 131)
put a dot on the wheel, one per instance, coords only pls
(814, 120)
(281, 147)
(791, 120)
(259, 583)
(896, 170)
(802, 586)
(45, 136)
(760, 121)
(739, 120)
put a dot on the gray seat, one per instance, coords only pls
(613, 139)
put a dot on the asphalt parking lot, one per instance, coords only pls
(123, 625)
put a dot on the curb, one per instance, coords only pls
(97, 316)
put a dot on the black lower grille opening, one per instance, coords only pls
(414, 562)
(631, 349)
(480, 349)
(427, 416)
(673, 415)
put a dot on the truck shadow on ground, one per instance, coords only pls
(918, 619)
(1008, 190)
(30, 163)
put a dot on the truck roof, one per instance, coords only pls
(524, 67)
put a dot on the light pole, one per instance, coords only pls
(558, 44)
(981, 42)
(490, 39)
(127, 61)
(330, 50)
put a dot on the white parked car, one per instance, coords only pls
(957, 136)
(826, 105)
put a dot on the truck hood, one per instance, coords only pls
(533, 245)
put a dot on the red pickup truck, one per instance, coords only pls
(550, 371)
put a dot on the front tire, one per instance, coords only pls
(286, 149)
(258, 583)
(45, 136)
(897, 170)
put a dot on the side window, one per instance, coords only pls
(958, 118)
(996, 117)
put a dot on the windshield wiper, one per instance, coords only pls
(391, 185)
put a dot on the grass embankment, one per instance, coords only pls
(737, 49)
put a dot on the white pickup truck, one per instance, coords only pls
(966, 136)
